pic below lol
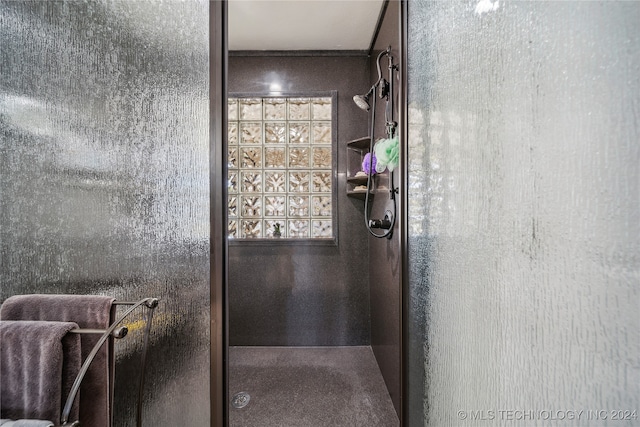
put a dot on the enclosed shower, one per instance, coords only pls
(305, 303)
(504, 289)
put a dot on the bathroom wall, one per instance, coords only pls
(524, 213)
(385, 256)
(104, 156)
(292, 293)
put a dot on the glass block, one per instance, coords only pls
(275, 133)
(299, 157)
(298, 133)
(321, 205)
(251, 133)
(232, 133)
(299, 182)
(251, 109)
(232, 159)
(321, 228)
(232, 232)
(298, 228)
(322, 133)
(251, 206)
(251, 181)
(232, 185)
(251, 157)
(275, 109)
(274, 182)
(321, 157)
(321, 108)
(298, 205)
(274, 157)
(270, 227)
(232, 109)
(298, 109)
(233, 205)
(251, 228)
(274, 206)
(321, 181)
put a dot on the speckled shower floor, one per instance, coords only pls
(309, 387)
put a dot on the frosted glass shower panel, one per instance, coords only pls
(104, 178)
(524, 213)
(282, 151)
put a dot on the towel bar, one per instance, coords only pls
(118, 333)
(151, 304)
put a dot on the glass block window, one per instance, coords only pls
(280, 162)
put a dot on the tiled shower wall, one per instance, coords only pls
(524, 213)
(104, 177)
(293, 293)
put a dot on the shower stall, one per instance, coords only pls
(507, 292)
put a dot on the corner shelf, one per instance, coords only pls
(360, 143)
(356, 150)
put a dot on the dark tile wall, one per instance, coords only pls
(295, 294)
(384, 254)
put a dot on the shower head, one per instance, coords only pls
(362, 101)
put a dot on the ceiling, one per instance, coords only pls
(302, 24)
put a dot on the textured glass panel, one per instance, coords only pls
(233, 205)
(524, 213)
(321, 157)
(274, 157)
(295, 147)
(104, 179)
(275, 206)
(251, 206)
(298, 228)
(321, 108)
(233, 182)
(298, 133)
(251, 133)
(232, 109)
(251, 181)
(250, 109)
(299, 109)
(232, 134)
(299, 157)
(232, 157)
(251, 157)
(321, 205)
(233, 228)
(321, 181)
(275, 133)
(298, 205)
(275, 109)
(299, 182)
(270, 227)
(274, 182)
(321, 228)
(251, 228)
(322, 133)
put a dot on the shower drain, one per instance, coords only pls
(240, 400)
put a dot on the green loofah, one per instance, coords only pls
(387, 152)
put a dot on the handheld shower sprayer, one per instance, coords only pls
(367, 102)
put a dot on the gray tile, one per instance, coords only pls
(309, 386)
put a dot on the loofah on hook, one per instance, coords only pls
(387, 153)
(368, 167)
